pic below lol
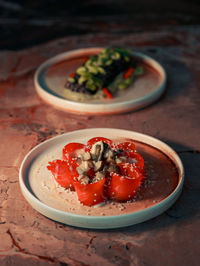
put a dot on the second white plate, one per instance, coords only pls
(51, 77)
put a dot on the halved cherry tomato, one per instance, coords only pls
(128, 150)
(90, 194)
(137, 159)
(124, 186)
(92, 141)
(63, 173)
(69, 151)
(126, 147)
(128, 73)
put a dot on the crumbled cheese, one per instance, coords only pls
(120, 159)
(84, 167)
(98, 165)
(83, 179)
(98, 177)
(109, 155)
(86, 156)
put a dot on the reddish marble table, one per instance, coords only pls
(28, 238)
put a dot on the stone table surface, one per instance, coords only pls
(173, 238)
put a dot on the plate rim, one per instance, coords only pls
(101, 108)
(91, 221)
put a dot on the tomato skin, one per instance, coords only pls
(90, 194)
(121, 185)
(92, 141)
(124, 186)
(63, 173)
(127, 147)
(128, 150)
(137, 160)
(69, 150)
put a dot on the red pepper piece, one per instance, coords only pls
(126, 147)
(72, 75)
(128, 72)
(107, 93)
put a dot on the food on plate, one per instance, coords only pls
(161, 179)
(103, 75)
(100, 170)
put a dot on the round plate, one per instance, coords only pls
(51, 77)
(55, 145)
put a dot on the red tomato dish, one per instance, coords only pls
(100, 170)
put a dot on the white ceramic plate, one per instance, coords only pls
(55, 145)
(51, 77)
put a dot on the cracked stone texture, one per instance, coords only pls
(173, 238)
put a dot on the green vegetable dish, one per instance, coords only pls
(103, 75)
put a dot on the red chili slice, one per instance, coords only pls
(128, 73)
(124, 186)
(69, 151)
(90, 194)
(107, 93)
(63, 173)
(72, 75)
